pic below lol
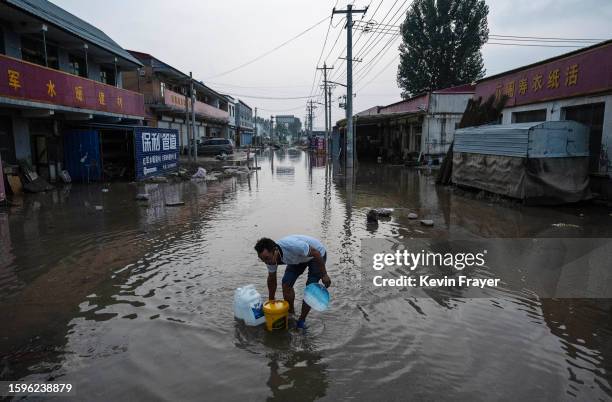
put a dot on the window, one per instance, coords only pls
(529, 116)
(162, 86)
(107, 76)
(76, 65)
(33, 50)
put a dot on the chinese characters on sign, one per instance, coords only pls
(78, 93)
(27, 81)
(13, 79)
(551, 80)
(156, 151)
(51, 89)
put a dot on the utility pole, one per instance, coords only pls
(272, 128)
(325, 68)
(255, 126)
(193, 125)
(349, 80)
(329, 103)
(311, 109)
(187, 122)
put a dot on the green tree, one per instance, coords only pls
(441, 44)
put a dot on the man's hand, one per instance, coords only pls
(326, 281)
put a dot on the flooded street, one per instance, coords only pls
(134, 301)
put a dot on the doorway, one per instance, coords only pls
(591, 115)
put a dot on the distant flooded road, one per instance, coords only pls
(133, 301)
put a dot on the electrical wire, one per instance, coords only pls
(271, 97)
(356, 53)
(270, 51)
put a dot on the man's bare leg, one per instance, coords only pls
(289, 296)
(305, 311)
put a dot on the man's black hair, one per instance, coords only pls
(265, 244)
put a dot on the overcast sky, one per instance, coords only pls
(213, 37)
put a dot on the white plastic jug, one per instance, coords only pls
(248, 305)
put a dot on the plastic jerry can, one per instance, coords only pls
(248, 305)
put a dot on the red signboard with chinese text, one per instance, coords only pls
(583, 73)
(31, 82)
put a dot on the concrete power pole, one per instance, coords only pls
(310, 109)
(327, 120)
(349, 81)
(329, 147)
(193, 125)
(187, 123)
(255, 126)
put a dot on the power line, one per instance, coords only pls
(365, 69)
(365, 45)
(377, 75)
(542, 37)
(529, 45)
(281, 110)
(271, 50)
(271, 97)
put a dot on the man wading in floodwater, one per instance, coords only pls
(298, 252)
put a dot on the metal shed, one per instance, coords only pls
(540, 163)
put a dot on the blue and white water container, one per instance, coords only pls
(316, 296)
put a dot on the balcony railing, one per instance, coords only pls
(30, 82)
(204, 110)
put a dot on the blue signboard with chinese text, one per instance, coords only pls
(156, 151)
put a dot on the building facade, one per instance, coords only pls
(293, 125)
(167, 99)
(422, 126)
(230, 133)
(573, 86)
(57, 70)
(244, 124)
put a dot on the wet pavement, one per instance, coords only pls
(134, 300)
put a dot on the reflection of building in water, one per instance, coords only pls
(317, 160)
(9, 282)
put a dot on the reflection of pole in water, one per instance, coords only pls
(326, 200)
(349, 178)
(309, 163)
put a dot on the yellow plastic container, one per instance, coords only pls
(277, 314)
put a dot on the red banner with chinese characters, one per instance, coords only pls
(27, 81)
(584, 73)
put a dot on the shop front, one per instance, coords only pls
(114, 152)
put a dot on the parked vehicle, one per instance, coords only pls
(216, 146)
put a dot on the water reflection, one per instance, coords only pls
(140, 287)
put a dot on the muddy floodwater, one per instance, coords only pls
(133, 301)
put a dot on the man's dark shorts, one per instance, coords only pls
(294, 270)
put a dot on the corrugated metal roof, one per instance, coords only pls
(61, 18)
(549, 139)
